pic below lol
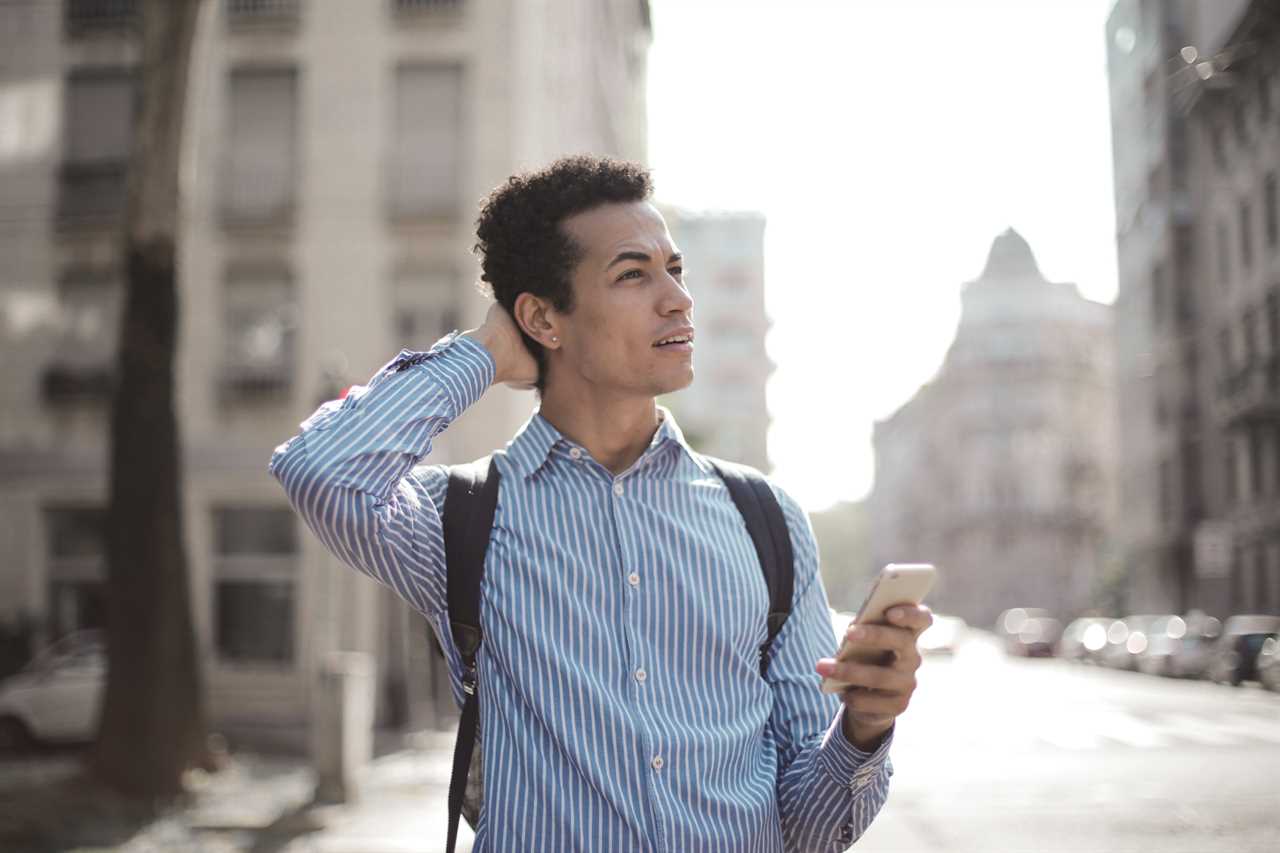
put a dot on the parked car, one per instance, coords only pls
(1268, 664)
(1028, 632)
(1127, 638)
(943, 636)
(1084, 639)
(1163, 639)
(56, 697)
(1190, 657)
(1235, 656)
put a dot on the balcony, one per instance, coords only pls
(89, 17)
(71, 384)
(426, 10)
(254, 383)
(91, 194)
(1250, 394)
(263, 14)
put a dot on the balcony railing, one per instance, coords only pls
(263, 13)
(91, 194)
(254, 382)
(425, 7)
(67, 383)
(1251, 393)
(82, 17)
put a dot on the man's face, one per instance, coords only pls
(629, 295)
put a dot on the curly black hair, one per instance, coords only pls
(519, 238)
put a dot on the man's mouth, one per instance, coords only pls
(682, 339)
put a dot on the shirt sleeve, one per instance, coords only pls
(829, 791)
(350, 471)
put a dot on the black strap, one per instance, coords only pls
(469, 505)
(767, 525)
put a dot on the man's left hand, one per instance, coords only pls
(879, 692)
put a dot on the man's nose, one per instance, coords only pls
(677, 298)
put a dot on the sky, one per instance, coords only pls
(887, 143)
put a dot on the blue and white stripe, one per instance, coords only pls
(621, 702)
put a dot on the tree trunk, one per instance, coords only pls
(152, 726)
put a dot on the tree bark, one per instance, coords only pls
(152, 725)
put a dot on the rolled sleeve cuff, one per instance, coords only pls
(463, 368)
(848, 765)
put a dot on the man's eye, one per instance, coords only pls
(630, 274)
(676, 271)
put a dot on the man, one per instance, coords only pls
(621, 701)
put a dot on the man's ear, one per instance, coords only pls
(537, 319)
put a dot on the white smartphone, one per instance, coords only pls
(898, 583)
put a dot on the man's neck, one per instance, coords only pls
(614, 432)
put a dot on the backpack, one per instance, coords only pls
(469, 506)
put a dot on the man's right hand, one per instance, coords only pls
(498, 334)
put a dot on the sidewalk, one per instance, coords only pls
(402, 808)
(263, 804)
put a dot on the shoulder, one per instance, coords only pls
(797, 519)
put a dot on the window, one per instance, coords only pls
(1246, 234)
(255, 555)
(76, 549)
(1217, 146)
(1249, 328)
(1190, 459)
(426, 157)
(1165, 476)
(262, 128)
(257, 12)
(89, 301)
(258, 317)
(97, 137)
(93, 16)
(411, 6)
(424, 307)
(1224, 254)
(1271, 210)
(1157, 294)
(1271, 313)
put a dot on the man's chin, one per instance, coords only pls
(678, 383)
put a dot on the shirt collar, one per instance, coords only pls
(533, 445)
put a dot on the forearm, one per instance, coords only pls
(345, 472)
(829, 795)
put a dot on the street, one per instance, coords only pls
(1043, 755)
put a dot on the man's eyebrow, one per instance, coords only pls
(642, 257)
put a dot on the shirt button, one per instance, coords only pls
(633, 579)
(617, 489)
(641, 675)
(657, 762)
(575, 453)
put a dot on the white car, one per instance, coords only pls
(56, 697)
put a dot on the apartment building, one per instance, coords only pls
(1000, 469)
(334, 158)
(1196, 144)
(724, 413)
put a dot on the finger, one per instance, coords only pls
(882, 637)
(914, 617)
(866, 675)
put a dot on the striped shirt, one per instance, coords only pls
(621, 703)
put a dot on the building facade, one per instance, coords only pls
(999, 470)
(1196, 145)
(724, 412)
(334, 159)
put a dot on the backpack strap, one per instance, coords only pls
(767, 525)
(469, 506)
